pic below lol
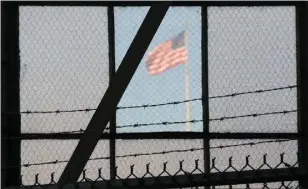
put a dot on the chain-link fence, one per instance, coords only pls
(165, 87)
(250, 82)
(252, 48)
(182, 176)
(64, 66)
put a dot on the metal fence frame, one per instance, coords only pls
(10, 87)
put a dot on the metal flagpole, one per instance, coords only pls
(187, 104)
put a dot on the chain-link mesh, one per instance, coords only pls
(272, 150)
(166, 154)
(252, 88)
(269, 185)
(64, 65)
(252, 48)
(45, 157)
(167, 86)
(190, 175)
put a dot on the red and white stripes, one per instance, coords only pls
(164, 57)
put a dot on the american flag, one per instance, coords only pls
(167, 55)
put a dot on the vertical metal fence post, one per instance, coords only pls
(112, 123)
(10, 100)
(302, 80)
(205, 87)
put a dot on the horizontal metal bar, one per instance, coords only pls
(164, 135)
(190, 180)
(149, 3)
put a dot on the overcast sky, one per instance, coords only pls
(64, 65)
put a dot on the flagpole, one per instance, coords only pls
(187, 104)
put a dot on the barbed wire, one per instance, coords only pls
(201, 120)
(161, 123)
(253, 115)
(150, 105)
(156, 153)
(80, 131)
(252, 92)
(195, 176)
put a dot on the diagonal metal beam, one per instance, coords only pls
(116, 89)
